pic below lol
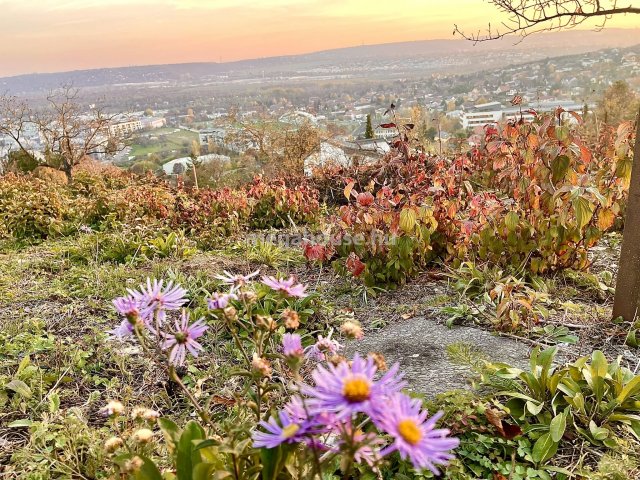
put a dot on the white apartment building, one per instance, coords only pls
(123, 129)
(494, 112)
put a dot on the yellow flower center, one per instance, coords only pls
(290, 430)
(409, 431)
(356, 389)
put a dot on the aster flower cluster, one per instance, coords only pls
(324, 416)
(146, 310)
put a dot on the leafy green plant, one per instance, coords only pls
(273, 255)
(591, 397)
(172, 245)
(506, 301)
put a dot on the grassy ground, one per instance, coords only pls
(55, 309)
(168, 140)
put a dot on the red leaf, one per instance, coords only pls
(354, 265)
(388, 125)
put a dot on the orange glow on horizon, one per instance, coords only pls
(59, 35)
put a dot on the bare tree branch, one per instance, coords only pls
(526, 17)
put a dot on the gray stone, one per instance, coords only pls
(419, 345)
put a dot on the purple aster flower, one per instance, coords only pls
(288, 287)
(156, 298)
(292, 345)
(322, 347)
(236, 280)
(184, 338)
(123, 330)
(127, 307)
(415, 435)
(286, 431)
(220, 301)
(315, 424)
(346, 389)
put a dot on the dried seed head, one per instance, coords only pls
(144, 435)
(291, 319)
(230, 313)
(133, 465)
(352, 329)
(379, 360)
(112, 408)
(261, 365)
(113, 444)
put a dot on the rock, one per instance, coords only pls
(420, 346)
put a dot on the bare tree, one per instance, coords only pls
(526, 17)
(68, 132)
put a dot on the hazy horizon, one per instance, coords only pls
(91, 34)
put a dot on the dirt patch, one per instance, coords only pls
(419, 345)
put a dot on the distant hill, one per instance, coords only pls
(429, 56)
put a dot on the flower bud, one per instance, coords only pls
(113, 444)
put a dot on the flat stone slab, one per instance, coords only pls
(420, 346)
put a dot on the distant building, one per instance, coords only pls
(233, 139)
(153, 122)
(386, 133)
(123, 129)
(494, 112)
(377, 145)
(481, 114)
(299, 118)
(325, 154)
(170, 168)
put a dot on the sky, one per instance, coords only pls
(60, 35)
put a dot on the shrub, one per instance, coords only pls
(32, 208)
(276, 205)
(562, 195)
(383, 239)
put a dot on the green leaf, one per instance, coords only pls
(408, 219)
(23, 364)
(598, 433)
(559, 167)
(23, 422)
(544, 448)
(148, 471)
(187, 457)
(54, 402)
(171, 433)
(557, 427)
(272, 462)
(511, 220)
(19, 387)
(630, 389)
(584, 211)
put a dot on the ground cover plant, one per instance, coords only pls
(203, 367)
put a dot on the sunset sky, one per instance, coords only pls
(58, 35)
